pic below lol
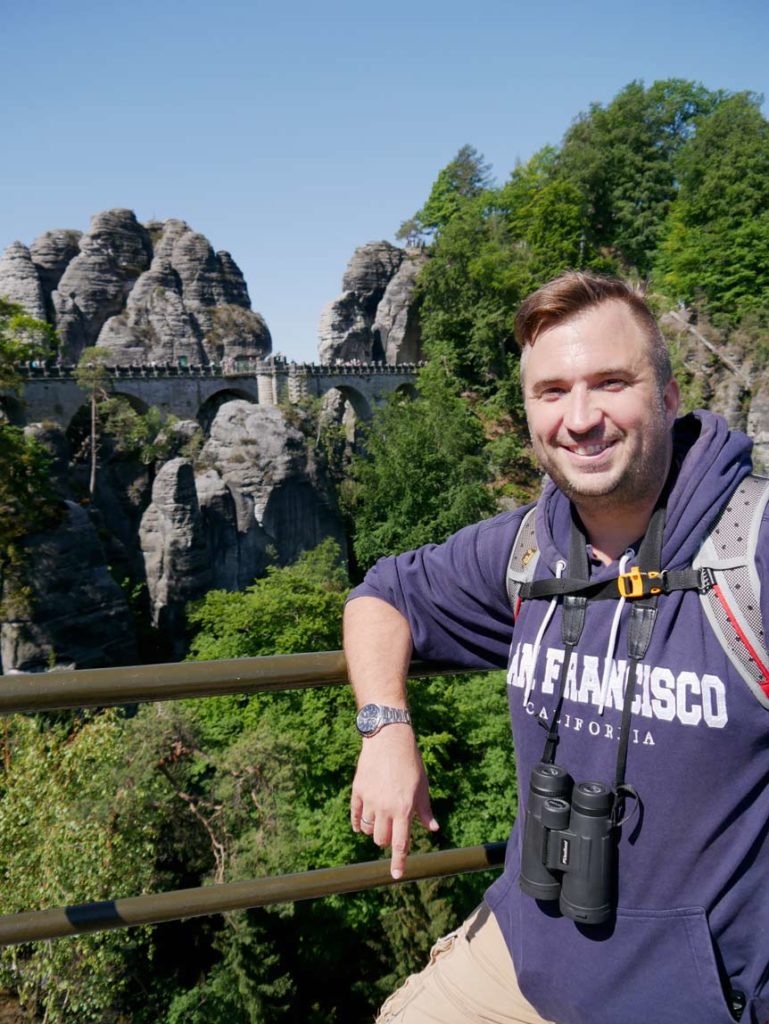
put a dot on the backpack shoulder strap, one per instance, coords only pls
(523, 560)
(732, 604)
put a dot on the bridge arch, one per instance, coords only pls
(406, 390)
(360, 404)
(136, 403)
(208, 410)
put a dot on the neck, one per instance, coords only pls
(611, 527)
(611, 534)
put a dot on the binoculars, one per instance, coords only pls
(569, 844)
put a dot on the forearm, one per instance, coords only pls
(377, 644)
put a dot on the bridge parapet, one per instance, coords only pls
(51, 392)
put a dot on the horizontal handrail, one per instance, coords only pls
(156, 908)
(102, 687)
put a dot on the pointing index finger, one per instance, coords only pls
(401, 836)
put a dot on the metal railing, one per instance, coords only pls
(29, 692)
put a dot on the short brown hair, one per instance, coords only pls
(575, 291)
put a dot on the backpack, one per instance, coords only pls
(723, 571)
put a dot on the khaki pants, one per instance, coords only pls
(469, 980)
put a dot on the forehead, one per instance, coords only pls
(601, 337)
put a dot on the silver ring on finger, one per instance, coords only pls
(365, 821)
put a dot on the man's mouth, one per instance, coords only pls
(587, 450)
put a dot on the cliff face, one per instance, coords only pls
(255, 493)
(77, 614)
(153, 292)
(374, 319)
(729, 375)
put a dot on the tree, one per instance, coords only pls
(422, 476)
(27, 501)
(463, 178)
(622, 159)
(717, 241)
(293, 608)
(22, 338)
(68, 834)
(92, 376)
(131, 432)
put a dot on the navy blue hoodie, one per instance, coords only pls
(693, 890)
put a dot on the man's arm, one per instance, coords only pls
(390, 784)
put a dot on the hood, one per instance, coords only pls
(709, 461)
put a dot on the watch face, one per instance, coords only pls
(369, 719)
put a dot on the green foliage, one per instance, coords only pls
(622, 159)
(295, 608)
(496, 249)
(422, 477)
(27, 501)
(716, 246)
(465, 177)
(147, 436)
(91, 373)
(67, 836)
(22, 338)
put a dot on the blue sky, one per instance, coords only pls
(291, 132)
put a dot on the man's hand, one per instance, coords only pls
(389, 789)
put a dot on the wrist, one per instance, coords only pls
(372, 718)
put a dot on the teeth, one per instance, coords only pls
(590, 449)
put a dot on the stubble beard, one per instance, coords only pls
(643, 475)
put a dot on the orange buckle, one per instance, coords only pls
(631, 584)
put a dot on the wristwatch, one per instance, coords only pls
(373, 717)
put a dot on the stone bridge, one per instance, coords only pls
(196, 392)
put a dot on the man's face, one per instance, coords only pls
(600, 426)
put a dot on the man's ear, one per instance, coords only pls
(671, 400)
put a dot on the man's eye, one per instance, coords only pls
(612, 384)
(551, 393)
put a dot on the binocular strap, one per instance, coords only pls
(642, 617)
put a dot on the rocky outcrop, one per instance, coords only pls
(370, 270)
(374, 318)
(19, 282)
(191, 303)
(76, 613)
(396, 323)
(51, 253)
(345, 332)
(174, 548)
(150, 293)
(96, 283)
(258, 493)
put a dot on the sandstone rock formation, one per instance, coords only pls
(149, 293)
(373, 319)
(257, 490)
(77, 614)
(396, 323)
(51, 253)
(19, 281)
(174, 549)
(95, 285)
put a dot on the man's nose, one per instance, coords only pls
(582, 412)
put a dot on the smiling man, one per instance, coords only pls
(636, 882)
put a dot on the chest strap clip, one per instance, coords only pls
(636, 583)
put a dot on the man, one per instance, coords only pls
(685, 939)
